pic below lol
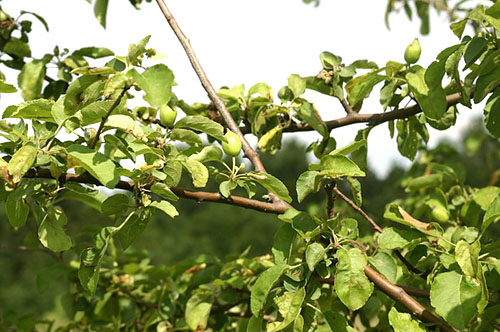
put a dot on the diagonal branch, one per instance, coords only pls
(376, 227)
(219, 103)
(200, 196)
(399, 294)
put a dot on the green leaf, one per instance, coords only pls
(351, 284)
(88, 273)
(198, 311)
(263, 285)
(16, 207)
(486, 82)
(94, 112)
(485, 196)
(455, 298)
(173, 171)
(337, 322)
(166, 208)
(199, 173)
(116, 204)
(354, 146)
(51, 232)
(133, 228)
(289, 305)
(393, 238)
(272, 184)
(208, 153)
(38, 109)
(467, 257)
(74, 94)
(7, 88)
(476, 47)
(315, 252)
(356, 190)
(17, 48)
(164, 191)
(360, 87)
(301, 222)
(126, 124)
(283, 242)
(203, 124)
(135, 52)
(94, 52)
(100, 11)
(122, 146)
(30, 79)
(157, 82)
(22, 160)
(459, 27)
(492, 113)
(426, 87)
(185, 135)
(40, 18)
(297, 84)
(309, 114)
(255, 324)
(425, 181)
(386, 265)
(338, 166)
(97, 164)
(307, 183)
(402, 322)
(492, 215)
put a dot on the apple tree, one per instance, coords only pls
(430, 262)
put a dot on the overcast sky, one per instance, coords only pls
(250, 41)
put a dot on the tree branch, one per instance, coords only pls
(398, 294)
(377, 228)
(200, 196)
(105, 118)
(347, 107)
(250, 153)
(371, 119)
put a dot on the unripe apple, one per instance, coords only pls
(440, 214)
(167, 115)
(412, 53)
(285, 94)
(233, 145)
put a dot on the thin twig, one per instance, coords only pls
(200, 196)
(379, 229)
(347, 107)
(359, 210)
(24, 248)
(105, 118)
(398, 294)
(330, 200)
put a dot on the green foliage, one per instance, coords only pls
(440, 234)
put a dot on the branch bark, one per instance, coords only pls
(200, 196)
(399, 294)
(371, 119)
(376, 227)
(250, 153)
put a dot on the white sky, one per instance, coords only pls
(250, 41)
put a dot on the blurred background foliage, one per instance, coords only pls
(30, 279)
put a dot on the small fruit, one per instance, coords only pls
(440, 214)
(412, 53)
(285, 94)
(233, 145)
(167, 115)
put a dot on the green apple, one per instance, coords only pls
(233, 145)
(440, 214)
(412, 52)
(167, 115)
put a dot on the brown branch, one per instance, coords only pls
(105, 118)
(219, 103)
(377, 228)
(399, 294)
(417, 292)
(267, 318)
(347, 107)
(24, 248)
(371, 119)
(250, 153)
(200, 196)
(330, 200)
(358, 209)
